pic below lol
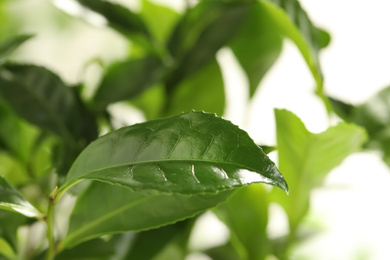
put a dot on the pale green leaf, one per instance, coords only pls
(305, 158)
(159, 19)
(6, 250)
(248, 205)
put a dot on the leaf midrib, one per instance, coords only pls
(240, 166)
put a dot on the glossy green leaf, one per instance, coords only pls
(248, 205)
(305, 158)
(203, 90)
(125, 80)
(202, 31)
(12, 200)
(189, 153)
(107, 209)
(257, 45)
(159, 19)
(9, 45)
(119, 17)
(51, 104)
(292, 22)
(374, 116)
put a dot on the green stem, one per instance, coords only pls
(50, 225)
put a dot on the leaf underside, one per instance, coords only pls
(12, 200)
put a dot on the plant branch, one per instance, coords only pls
(50, 225)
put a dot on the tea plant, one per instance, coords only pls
(139, 189)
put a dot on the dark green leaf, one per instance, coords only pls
(12, 200)
(267, 149)
(374, 116)
(148, 244)
(306, 158)
(248, 205)
(119, 17)
(257, 46)
(343, 110)
(125, 80)
(96, 249)
(200, 34)
(9, 45)
(190, 153)
(107, 209)
(203, 90)
(224, 252)
(9, 223)
(51, 104)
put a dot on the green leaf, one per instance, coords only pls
(151, 102)
(248, 205)
(12, 200)
(93, 249)
(159, 19)
(257, 46)
(224, 252)
(12, 169)
(16, 136)
(293, 23)
(202, 31)
(9, 45)
(51, 104)
(267, 149)
(119, 17)
(126, 80)
(189, 153)
(203, 90)
(305, 158)
(6, 250)
(106, 209)
(148, 244)
(9, 223)
(373, 115)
